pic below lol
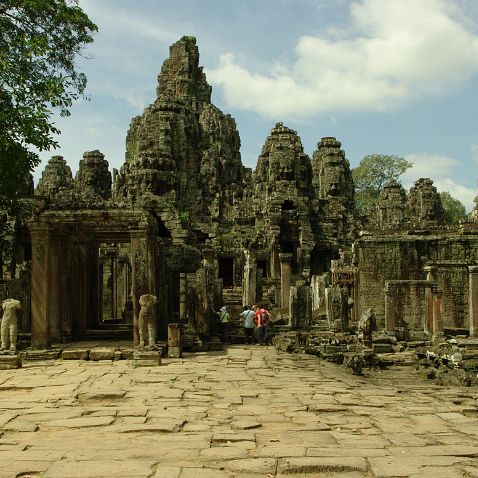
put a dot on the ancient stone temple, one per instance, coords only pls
(184, 221)
(417, 273)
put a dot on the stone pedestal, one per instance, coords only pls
(473, 300)
(145, 358)
(8, 362)
(174, 341)
(286, 278)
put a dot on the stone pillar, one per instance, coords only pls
(174, 341)
(300, 306)
(160, 323)
(473, 299)
(114, 288)
(390, 309)
(66, 287)
(249, 284)
(56, 292)
(41, 286)
(286, 278)
(183, 284)
(134, 291)
(432, 278)
(275, 262)
(437, 312)
(293, 308)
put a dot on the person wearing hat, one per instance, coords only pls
(224, 324)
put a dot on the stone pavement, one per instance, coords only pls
(247, 412)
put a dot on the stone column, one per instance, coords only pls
(183, 284)
(390, 309)
(249, 284)
(41, 286)
(286, 278)
(174, 341)
(473, 300)
(114, 288)
(437, 313)
(134, 287)
(274, 262)
(432, 278)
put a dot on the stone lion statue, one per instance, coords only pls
(147, 321)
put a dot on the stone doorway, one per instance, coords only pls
(115, 305)
(226, 272)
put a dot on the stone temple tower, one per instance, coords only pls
(182, 149)
(333, 186)
(332, 177)
(424, 207)
(391, 206)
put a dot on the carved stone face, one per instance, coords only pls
(286, 167)
(334, 179)
(424, 203)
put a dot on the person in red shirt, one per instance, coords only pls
(262, 322)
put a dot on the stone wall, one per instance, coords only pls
(403, 257)
(409, 304)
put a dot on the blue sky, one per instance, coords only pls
(383, 76)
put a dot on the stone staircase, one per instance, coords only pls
(232, 299)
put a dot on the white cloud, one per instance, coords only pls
(125, 23)
(438, 168)
(390, 53)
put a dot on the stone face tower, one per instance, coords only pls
(391, 206)
(334, 189)
(55, 177)
(282, 167)
(332, 176)
(93, 174)
(182, 148)
(424, 208)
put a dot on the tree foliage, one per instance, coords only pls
(39, 43)
(453, 209)
(371, 175)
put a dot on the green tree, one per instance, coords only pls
(373, 172)
(39, 44)
(453, 209)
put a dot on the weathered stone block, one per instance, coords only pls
(143, 358)
(174, 352)
(127, 354)
(43, 354)
(10, 361)
(383, 348)
(102, 353)
(332, 349)
(75, 354)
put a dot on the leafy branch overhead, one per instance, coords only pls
(39, 43)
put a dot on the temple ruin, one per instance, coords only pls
(185, 221)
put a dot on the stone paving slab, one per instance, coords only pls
(248, 412)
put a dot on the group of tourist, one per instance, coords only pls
(255, 321)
